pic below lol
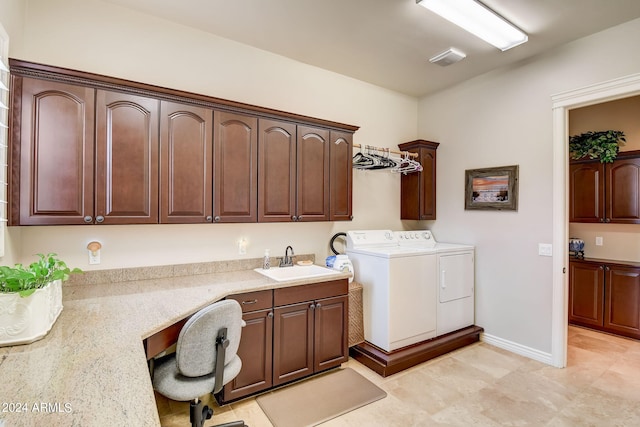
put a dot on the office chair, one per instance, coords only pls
(205, 359)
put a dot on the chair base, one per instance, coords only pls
(198, 414)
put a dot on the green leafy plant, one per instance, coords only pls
(25, 280)
(603, 145)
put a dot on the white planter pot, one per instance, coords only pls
(25, 320)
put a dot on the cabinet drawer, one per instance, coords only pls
(295, 294)
(252, 301)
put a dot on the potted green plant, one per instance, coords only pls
(31, 299)
(603, 145)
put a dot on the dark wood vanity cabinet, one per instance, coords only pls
(418, 190)
(304, 331)
(608, 192)
(92, 149)
(256, 346)
(310, 329)
(605, 295)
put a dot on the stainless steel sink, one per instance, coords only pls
(296, 272)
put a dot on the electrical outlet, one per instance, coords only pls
(599, 241)
(242, 247)
(94, 259)
(545, 249)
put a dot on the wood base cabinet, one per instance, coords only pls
(304, 331)
(605, 295)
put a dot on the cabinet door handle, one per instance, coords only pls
(312, 306)
(606, 268)
(318, 305)
(209, 218)
(270, 315)
(216, 219)
(250, 302)
(99, 219)
(607, 220)
(601, 267)
(299, 218)
(88, 219)
(294, 218)
(601, 219)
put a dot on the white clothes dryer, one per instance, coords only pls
(455, 275)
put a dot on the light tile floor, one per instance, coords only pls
(482, 385)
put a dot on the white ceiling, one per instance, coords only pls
(388, 42)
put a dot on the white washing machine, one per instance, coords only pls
(399, 288)
(455, 275)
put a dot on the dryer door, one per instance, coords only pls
(455, 276)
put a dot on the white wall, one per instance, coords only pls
(505, 118)
(93, 36)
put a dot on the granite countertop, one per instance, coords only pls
(635, 264)
(91, 369)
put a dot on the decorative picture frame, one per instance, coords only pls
(492, 188)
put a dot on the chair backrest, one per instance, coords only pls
(196, 347)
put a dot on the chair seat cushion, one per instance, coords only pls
(168, 381)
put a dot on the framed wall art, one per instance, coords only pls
(492, 188)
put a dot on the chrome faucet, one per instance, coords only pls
(287, 261)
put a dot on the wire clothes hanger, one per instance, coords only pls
(370, 160)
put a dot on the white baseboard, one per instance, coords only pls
(520, 349)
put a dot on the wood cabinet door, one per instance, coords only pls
(276, 171)
(255, 352)
(586, 293)
(312, 198)
(427, 183)
(623, 191)
(236, 167)
(586, 192)
(185, 163)
(341, 173)
(126, 158)
(55, 150)
(622, 301)
(418, 189)
(292, 342)
(331, 346)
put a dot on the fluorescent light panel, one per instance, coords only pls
(477, 19)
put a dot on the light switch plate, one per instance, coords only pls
(599, 241)
(545, 249)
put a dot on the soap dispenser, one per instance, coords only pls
(266, 264)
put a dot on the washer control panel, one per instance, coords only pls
(422, 238)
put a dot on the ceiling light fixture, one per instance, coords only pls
(479, 20)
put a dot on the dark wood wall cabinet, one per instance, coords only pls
(291, 333)
(605, 192)
(418, 190)
(605, 295)
(91, 149)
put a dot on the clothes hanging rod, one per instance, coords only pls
(386, 150)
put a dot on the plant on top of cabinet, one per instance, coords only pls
(603, 145)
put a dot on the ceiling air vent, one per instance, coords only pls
(448, 57)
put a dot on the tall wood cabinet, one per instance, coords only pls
(605, 295)
(418, 190)
(91, 149)
(608, 192)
